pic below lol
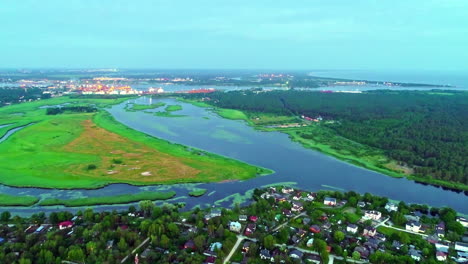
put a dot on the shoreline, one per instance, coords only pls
(455, 187)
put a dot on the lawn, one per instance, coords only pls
(92, 150)
(116, 199)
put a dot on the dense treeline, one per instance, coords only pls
(16, 95)
(73, 109)
(426, 131)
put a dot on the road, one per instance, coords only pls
(133, 251)
(234, 248)
(283, 224)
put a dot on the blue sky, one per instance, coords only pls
(241, 34)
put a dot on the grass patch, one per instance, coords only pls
(231, 114)
(117, 199)
(13, 200)
(173, 108)
(198, 192)
(139, 107)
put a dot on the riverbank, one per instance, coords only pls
(325, 140)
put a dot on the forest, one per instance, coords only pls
(16, 95)
(424, 130)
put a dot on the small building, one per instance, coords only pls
(297, 207)
(253, 218)
(315, 229)
(352, 228)
(265, 254)
(215, 213)
(414, 254)
(235, 227)
(463, 247)
(463, 221)
(189, 245)
(310, 242)
(306, 221)
(413, 226)
(242, 218)
(441, 256)
(440, 229)
(287, 190)
(296, 254)
(372, 215)
(250, 229)
(246, 246)
(311, 258)
(391, 207)
(215, 246)
(65, 225)
(329, 201)
(369, 231)
(287, 213)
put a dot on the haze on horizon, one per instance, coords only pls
(243, 34)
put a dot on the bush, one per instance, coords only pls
(91, 167)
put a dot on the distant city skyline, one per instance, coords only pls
(284, 35)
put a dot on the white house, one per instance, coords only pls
(235, 227)
(463, 221)
(329, 201)
(441, 256)
(391, 207)
(352, 228)
(413, 226)
(373, 215)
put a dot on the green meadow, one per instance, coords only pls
(91, 150)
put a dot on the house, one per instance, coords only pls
(246, 246)
(396, 244)
(369, 231)
(215, 213)
(265, 254)
(391, 207)
(311, 196)
(297, 196)
(462, 257)
(310, 242)
(414, 254)
(326, 226)
(364, 252)
(189, 245)
(253, 218)
(329, 201)
(295, 239)
(463, 221)
(235, 227)
(440, 229)
(250, 229)
(463, 247)
(65, 225)
(287, 213)
(315, 229)
(301, 233)
(210, 260)
(145, 253)
(352, 228)
(296, 254)
(287, 190)
(413, 226)
(215, 246)
(110, 244)
(310, 258)
(242, 218)
(306, 221)
(372, 215)
(297, 207)
(361, 204)
(441, 256)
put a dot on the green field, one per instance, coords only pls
(139, 107)
(173, 108)
(13, 200)
(116, 199)
(91, 150)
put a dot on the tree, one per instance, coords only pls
(146, 206)
(338, 236)
(356, 255)
(398, 218)
(122, 245)
(75, 253)
(5, 216)
(165, 241)
(269, 242)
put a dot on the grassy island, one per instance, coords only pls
(91, 150)
(116, 199)
(13, 200)
(198, 192)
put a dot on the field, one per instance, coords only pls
(91, 150)
(116, 199)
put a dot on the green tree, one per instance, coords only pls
(269, 242)
(356, 255)
(5, 216)
(75, 253)
(338, 236)
(165, 241)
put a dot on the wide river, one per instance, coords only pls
(292, 163)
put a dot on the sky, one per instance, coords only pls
(241, 34)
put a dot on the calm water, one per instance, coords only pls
(292, 163)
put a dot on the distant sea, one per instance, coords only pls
(459, 79)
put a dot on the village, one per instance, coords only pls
(282, 225)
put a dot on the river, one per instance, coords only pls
(292, 163)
